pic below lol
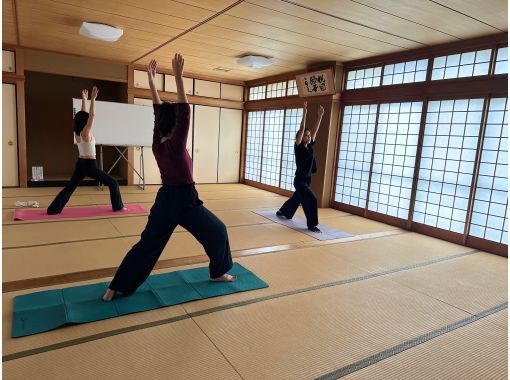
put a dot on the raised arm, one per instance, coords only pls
(315, 128)
(84, 97)
(87, 131)
(178, 67)
(151, 72)
(299, 137)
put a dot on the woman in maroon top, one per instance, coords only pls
(177, 202)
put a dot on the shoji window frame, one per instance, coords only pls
(486, 87)
(464, 238)
(279, 189)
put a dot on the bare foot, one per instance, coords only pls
(225, 278)
(110, 294)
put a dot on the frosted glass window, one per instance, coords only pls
(254, 145)
(447, 162)
(489, 220)
(462, 65)
(394, 158)
(363, 78)
(293, 118)
(355, 154)
(405, 72)
(258, 92)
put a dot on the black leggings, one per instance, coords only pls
(174, 205)
(86, 167)
(304, 196)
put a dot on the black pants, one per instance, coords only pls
(86, 167)
(175, 205)
(304, 196)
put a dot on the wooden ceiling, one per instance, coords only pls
(213, 33)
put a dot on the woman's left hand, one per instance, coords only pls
(320, 111)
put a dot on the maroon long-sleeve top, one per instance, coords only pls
(173, 159)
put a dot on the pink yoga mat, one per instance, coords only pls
(77, 212)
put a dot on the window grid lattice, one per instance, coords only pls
(272, 148)
(257, 93)
(446, 168)
(502, 61)
(293, 118)
(292, 88)
(254, 145)
(276, 90)
(405, 72)
(489, 220)
(394, 158)
(363, 78)
(473, 63)
(355, 154)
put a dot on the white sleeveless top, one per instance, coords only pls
(86, 148)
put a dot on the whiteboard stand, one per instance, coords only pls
(141, 176)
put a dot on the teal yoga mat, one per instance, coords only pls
(43, 311)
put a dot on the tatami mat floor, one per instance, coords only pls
(383, 304)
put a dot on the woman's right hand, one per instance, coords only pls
(94, 93)
(151, 69)
(305, 104)
(84, 94)
(177, 65)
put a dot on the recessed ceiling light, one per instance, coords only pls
(255, 61)
(100, 31)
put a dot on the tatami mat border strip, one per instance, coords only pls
(31, 283)
(23, 223)
(123, 191)
(409, 344)
(331, 284)
(115, 237)
(73, 342)
(276, 196)
(20, 223)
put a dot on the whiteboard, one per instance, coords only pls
(121, 124)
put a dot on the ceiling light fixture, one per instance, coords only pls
(255, 61)
(100, 31)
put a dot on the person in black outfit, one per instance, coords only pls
(306, 166)
(86, 166)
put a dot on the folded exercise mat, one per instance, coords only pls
(43, 311)
(78, 212)
(299, 224)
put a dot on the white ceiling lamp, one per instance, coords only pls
(255, 61)
(100, 31)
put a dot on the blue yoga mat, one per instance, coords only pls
(43, 311)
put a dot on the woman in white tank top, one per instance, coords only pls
(86, 166)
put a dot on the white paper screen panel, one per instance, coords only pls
(142, 81)
(229, 155)
(207, 88)
(171, 87)
(205, 144)
(232, 92)
(8, 61)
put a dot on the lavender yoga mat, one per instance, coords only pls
(77, 212)
(299, 224)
